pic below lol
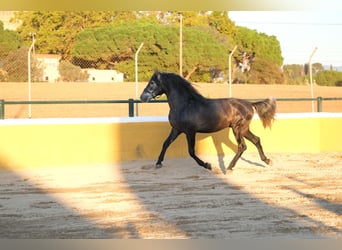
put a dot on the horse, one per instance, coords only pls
(190, 112)
(244, 65)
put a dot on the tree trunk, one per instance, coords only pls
(191, 72)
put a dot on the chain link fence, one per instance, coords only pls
(50, 68)
(55, 68)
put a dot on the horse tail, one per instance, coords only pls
(266, 109)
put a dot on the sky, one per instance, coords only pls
(299, 33)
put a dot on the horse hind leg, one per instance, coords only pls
(256, 141)
(241, 148)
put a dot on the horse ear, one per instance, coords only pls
(158, 75)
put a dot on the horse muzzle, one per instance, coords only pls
(146, 96)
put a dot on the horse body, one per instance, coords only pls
(190, 113)
(211, 116)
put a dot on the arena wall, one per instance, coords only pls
(33, 143)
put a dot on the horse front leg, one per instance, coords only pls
(172, 136)
(191, 137)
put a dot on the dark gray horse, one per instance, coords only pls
(190, 113)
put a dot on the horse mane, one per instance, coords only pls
(175, 79)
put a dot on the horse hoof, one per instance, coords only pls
(269, 162)
(229, 171)
(159, 165)
(207, 166)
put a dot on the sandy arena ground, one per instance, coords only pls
(298, 197)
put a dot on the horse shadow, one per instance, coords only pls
(184, 200)
(178, 197)
(30, 210)
(326, 204)
(225, 146)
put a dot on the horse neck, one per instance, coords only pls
(179, 96)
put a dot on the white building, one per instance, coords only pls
(49, 64)
(104, 75)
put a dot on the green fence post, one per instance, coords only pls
(2, 109)
(319, 104)
(130, 107)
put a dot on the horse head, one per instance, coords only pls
(154, 88)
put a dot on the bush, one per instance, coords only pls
(339, 83)
(329, 78)
(264, 71)
(14, 67)
(71, 73)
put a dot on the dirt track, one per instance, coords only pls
(298, 197)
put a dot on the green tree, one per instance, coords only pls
(9, 41)
(60, 32)
(266, 47)
(294, 73)
(189, 18)
(317, 67)
(328, 78)
(194, 18)
(56, 30)
(220, 21)
(115, 46)
(266, 72)
(268, 60)
(203, 53)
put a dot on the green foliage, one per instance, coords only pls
(220, 21)
(317, 67)
(203, 51)
(266, 72)
(71, 73)
(109, 39)
(117, 44)
(56, 30)
(298, 74)
(265, 47)
(9, 41)
(328, 78)
(294, 73)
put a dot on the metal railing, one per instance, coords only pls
(319, 100)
